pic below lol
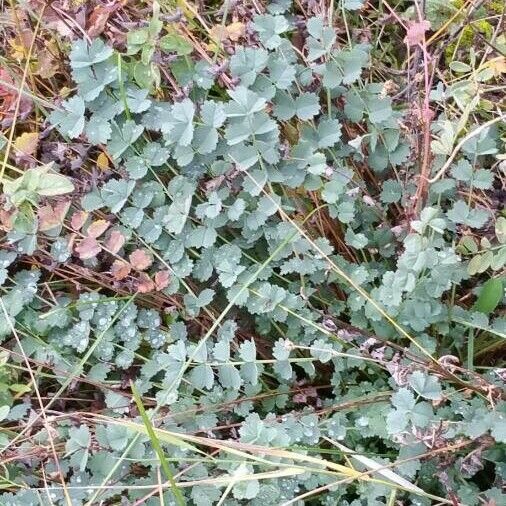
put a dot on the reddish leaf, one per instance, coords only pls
(7, 219)
(78, 219)
(52, 216)
(9, 98)
(99, 17)
(120, 269)
(416, 32)
(115, 241)
(88, 248)
(162, 279)
(144, 283)
(140, 260)
(97, 228)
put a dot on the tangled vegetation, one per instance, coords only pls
(252, 253)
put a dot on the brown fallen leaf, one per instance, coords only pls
(47, 64)
(115, 241)
(162, 279)
(144, 283)
(97, 228)
(99, 17)
(140, 260)
(120, 269)
(88, 248)
(78, 219)
(52, 216)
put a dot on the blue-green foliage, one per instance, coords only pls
(211, 184)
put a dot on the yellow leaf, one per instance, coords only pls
(497, 65)
(102, 161)
(18, 51)
(20, 44)
(27, 143)
(188, 10)
(233, 31)
(236, 30)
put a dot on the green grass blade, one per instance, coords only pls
(157, 447)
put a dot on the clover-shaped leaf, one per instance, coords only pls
(70, 120)
(84, 54)
(269, 29)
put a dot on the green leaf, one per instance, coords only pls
(84, 55)
(205, 139)
(212, 113)
(281, 73)
(425, 385)
(269, 29)
(490, 296)
(116, 192)
(70, 120)
(462, 213)
(480, 263)
(211, 208)
(229, 377)
(391, 191)
(247, 63)
(4, 411)
(379, 109)
(358, 241)
(244, 103)
(483, 179)
(403, 400)
(321, 38)
(247, 351)
(79, 437)
(461, 67)
(182, 122)
(353, 5)
(202, 376)
(244, 156)
(98, 130)
(332, 74)
(352, 62)
(462, 170)
(123, 137)
(235, 211)
(91, 81)
(137, 100)
(181, 191)
(332, 190)
(307, 105)
(36, 182)
(146, 74)
(500, 229)
(175, 43)
(329, 133)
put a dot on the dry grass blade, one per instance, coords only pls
(260, 454)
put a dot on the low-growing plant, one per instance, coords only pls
(268, 288)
